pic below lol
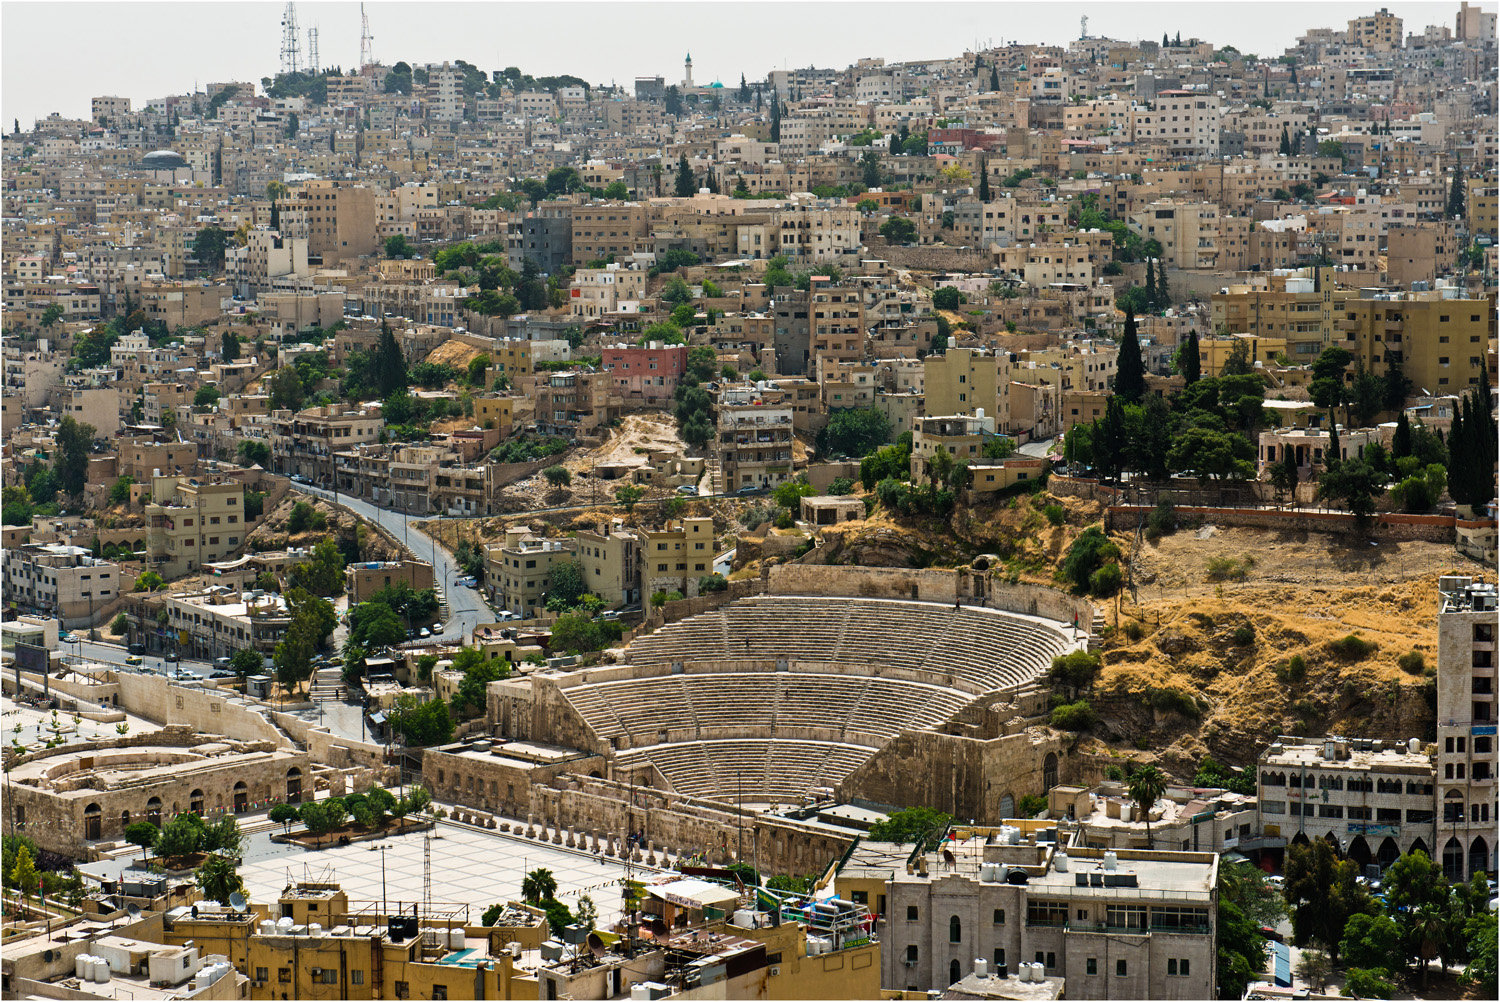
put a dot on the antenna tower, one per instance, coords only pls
(427, 870)
(1083, 26)
(366, 40)
(291, 45)
(312, 51)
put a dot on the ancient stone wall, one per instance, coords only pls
(206, 710)
(1389, 526)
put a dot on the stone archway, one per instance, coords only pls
(1389, 852)
(1007, 806)
(241, 797)
(1479, 855)
(195, 802)
(1453, 859)
(1420, 846)
(93, 822)
(153, 811)
(294, 785)
(1049, 771)
(1359, 851)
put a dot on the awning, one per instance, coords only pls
(694, 893)
(378, 717)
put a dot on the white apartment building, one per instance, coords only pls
(1469, 817)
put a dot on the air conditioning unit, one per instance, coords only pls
(317, 972)
(775, 970)
(909, 962)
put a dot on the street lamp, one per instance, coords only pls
(384, 908)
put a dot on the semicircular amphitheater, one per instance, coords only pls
(773, 699)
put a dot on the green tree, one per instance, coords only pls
(253, 452)
(576, 633)
(23, 872)
(422, 724)
(1455, 207)
(246, 662)
(74, 441)
(856, 431)
(470, 693)
(149, 581)
(1322, 893)
(209, 245)
(1356, 485)
(181, 836)
(558, 476)
(218, 879)
(898, 230)
(285, 389)
(686, 187)
(1372, 941)
(397, 247)
(229, 346)
(628, 495)
(119, 491)
(1472, 451)
(567, 587)
(284, 815)
(1146, 786)
(910, 825)
(1130, 372)
(390, 363)
(51, 315)
(538, 885)
(143, 834)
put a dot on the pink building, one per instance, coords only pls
(645, 374)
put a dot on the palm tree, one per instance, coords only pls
(1427, 928)
(539, 885)
(217, 878)
(1146, 785)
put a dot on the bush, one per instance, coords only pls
(119, 624)
(1114, 772)
(1079, 716)
(1105, 581)
(1054, 513)
(1352, 648)
(712, 583)
(1244, 636)
(558, 476)
(1134, 630)
(840, 487)
(1172, 701)
(1229, 569)
(1163, 520)
(1413, 663)
(1366, 983)
(1031, 805)
(1091, 550)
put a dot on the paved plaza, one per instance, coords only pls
(468, 867)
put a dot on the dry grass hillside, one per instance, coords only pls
(1199, 662)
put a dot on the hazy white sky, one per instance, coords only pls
(56, 55)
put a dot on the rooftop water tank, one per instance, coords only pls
(1111, 861)
(981, 968)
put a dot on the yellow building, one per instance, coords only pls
(963, 380)
(518, 571)
(1302, 308)
(495, 412)
(1440, 343)
(194, 524)
(512, 357)
(674, 558)
(1214, 352)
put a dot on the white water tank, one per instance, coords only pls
(1001, 872)
(640, 993)
(1111, 861)
(456, 938)
(284, 925)
(1414, 745)
(1126, 810)
(100, 974)
(81, 966)
(1060, 862)
(315, 930)
(1023, 971)
(268, 927)
(981, 968)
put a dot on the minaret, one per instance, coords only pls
(687, 73)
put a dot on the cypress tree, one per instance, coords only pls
(1166, 42)
(1334, 455)
(1286, 141)
(1401, 440)
(1456, 189)
(1163, 293)
(1177, 42)
(1189, 361)
(984, 181)
(1130, 371)
(685, 188)
(994, 79)
(775, 119)
(390, 363)
(1150, 283)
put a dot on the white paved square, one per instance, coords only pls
(477, 868)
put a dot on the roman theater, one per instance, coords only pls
(814, 684)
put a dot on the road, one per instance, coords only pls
(466, 606)
(114, 654)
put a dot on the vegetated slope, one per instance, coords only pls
(1201, 662)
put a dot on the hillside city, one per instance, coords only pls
(1019, 524)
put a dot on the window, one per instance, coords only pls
(1045, 913)
(403, 989)
(911, 913)
(999, 959)
(261, 974)
(955, 930)
(356, 977)
(328, 976)
(911, 955)
(284, 975)
(440, 991)
(999, 916)
(1120, 969)
(1091, 966)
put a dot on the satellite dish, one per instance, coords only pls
(47, 956)
(596, 945)
(195, 911)
(237, 902)
(948, 859)
(134, 911)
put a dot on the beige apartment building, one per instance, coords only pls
(610, 558)
(969, 381)
(1379, 32)
(59, 580)
(1188, 232)
(338, 220)
(1440, 341)
(753, 441)
(1303, 308)
(365, 578)
(518, 571)
(674, 558)
(1469, 822)
(193, 524)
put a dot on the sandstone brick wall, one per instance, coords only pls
(1392, 526)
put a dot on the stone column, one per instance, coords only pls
(651, 854)
(572, 839)
(530, 825)
(609, 844)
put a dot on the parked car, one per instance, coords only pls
(173, 658)
(424, 633)
(1271, 934)
(748, 489)
(67, 638)
(136, 649)
(687, 489)
(298, 478)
